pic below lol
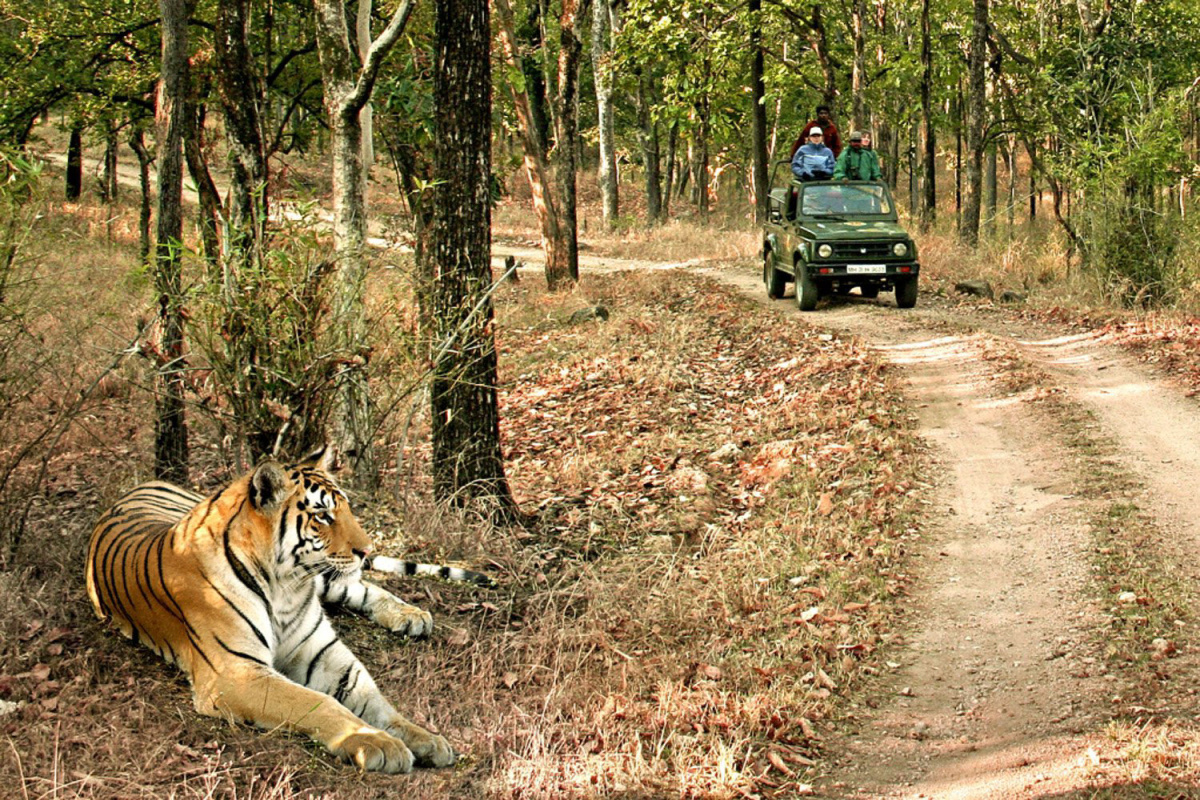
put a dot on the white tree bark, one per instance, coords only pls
(602, 26)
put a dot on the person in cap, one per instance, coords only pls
(813, 161)
(857, 163)
(824, 121)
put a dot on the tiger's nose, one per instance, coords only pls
(361, 553)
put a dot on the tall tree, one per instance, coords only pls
(241, 95)
(976, 124)
(758, 118)
(602, 71)
(545, 188)
(467, 463)
(566, 127)
(348, 88)
(170, 433)
(929, 161)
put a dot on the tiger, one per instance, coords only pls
(229, 588)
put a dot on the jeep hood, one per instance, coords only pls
(824, 230)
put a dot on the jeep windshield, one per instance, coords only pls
(835, 200)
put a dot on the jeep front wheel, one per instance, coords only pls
(906, 292)
(772, 277)
(807, 292)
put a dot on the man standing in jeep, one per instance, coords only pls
(857, 162)
(824, 121)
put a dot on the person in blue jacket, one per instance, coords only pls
(813, 161)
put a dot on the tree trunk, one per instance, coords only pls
(567, 127)
(170, 434)
(75, 164)
(542, 182)
(109, 185)
(348, 86)
(366, 117)
(929, 162)
(819, 42)
(990, 189)
(648, 138)
(758, 125)
(858, 72)
(241, 103)
(976, 125)
(138, 144)
(602, 71)
(668, 183)
(210, 198)
(468, 466)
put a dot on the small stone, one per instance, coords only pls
(979, 288)
(589, 314)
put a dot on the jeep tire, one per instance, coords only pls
(906, 292)
(807, 293)
(772, 277)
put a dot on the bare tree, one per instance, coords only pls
(758, 96)
(467, 463)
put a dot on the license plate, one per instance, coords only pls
(866, 269)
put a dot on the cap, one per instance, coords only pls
(856, 136)
(816, 132)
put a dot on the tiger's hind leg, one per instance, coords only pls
(381, 606)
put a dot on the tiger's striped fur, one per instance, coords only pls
(229, 588)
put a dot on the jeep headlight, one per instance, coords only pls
(824, 251)
(900, 249)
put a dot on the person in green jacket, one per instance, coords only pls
(857, 163)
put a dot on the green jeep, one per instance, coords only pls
(830, 236)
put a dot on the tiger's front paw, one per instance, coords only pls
(429, 749)
(402, 618)
(375, 751)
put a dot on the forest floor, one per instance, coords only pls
(860, 552)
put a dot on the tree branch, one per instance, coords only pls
(379, 50)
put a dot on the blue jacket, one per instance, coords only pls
(813, 162)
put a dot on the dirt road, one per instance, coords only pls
(1002, 689)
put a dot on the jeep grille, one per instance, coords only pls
(853, 250)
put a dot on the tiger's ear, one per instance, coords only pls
(268, 486)
(324, 458)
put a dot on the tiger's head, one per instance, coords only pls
(310, 521)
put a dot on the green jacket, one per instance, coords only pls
(857, 164)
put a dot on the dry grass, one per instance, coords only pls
(722, 505)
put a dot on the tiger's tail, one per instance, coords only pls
(398, 567)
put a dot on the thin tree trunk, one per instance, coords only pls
(348, 85)
(542, 181)
(567, 126)
(990, 190)
(468, 466)
(648, 138)
(858, 71)
(602, 71)
(75, 163)
(137, 143)
(241, 103)
(668, 183)
(929, 162)
(210, 198)
(109, 185)
(758, 126)
(171, 435)
(976, 124)
(366, 117)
